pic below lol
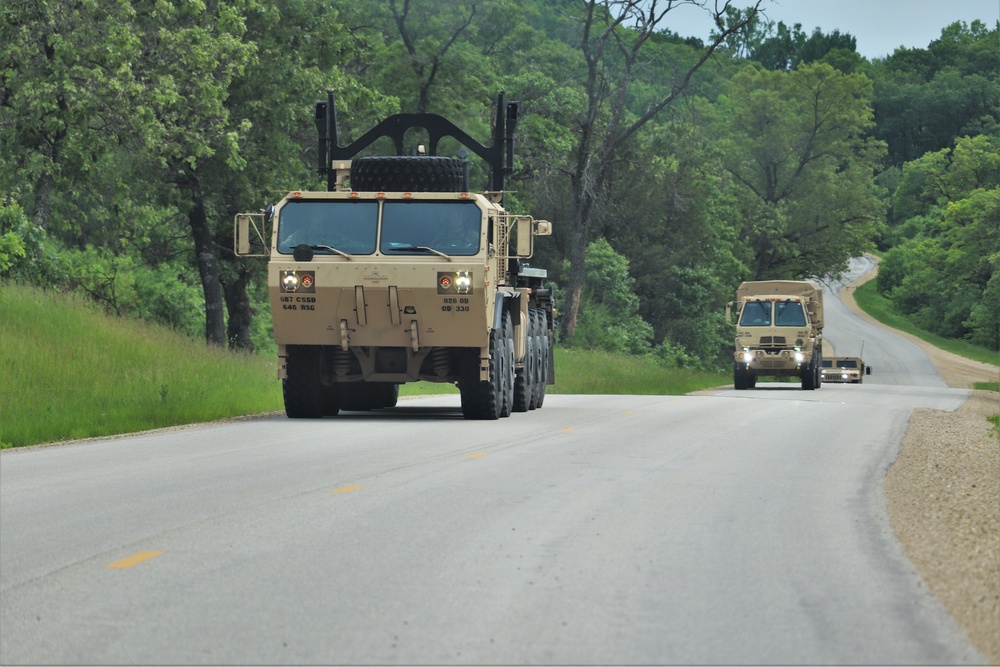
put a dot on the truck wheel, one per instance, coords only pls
(483, 400)
(302, 389)
(508, 366)
(543, 359)
(751, 380)
(741, 376)
(524, 380)
(808, 375)
(538, 370)
(408, 173)
(390, 395)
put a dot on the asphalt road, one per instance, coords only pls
(745, 527)
(894, 359)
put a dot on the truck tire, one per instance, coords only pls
(302, 389)
(390, 396)
(535, 349)
(741, 376)
(808, 375)
(508, 366)
(408, 173)
(524, 380)
(483, 400)
(544, 344)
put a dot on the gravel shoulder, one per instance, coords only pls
(943, 495)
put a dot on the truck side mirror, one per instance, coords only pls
(729, 312)
(527, 229)
(249, 234)
(868, 370)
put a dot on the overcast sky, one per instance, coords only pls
(880, 26)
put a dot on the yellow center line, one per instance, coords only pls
(476, 455)
(630, 412)
(566, 430)
(347, 489)
(133, 560)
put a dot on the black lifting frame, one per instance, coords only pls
(437, 127)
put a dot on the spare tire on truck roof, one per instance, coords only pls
(408, 173)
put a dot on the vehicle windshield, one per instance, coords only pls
(789, 314)
(847, 363)
(756, 314)
(348, 226)
(449, 227)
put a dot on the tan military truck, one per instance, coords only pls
(845, 369)
(399, 272)
(779, 331)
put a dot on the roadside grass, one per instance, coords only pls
(69, 372)
(876, 305)
(596, 372)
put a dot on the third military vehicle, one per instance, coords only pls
(845, 369)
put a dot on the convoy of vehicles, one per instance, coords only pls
(779, 332)
(399, 272)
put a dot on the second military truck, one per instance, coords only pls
(399, 272)
(779, 332)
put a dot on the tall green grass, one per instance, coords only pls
(876, 305)
(68, 371)
(595, 372)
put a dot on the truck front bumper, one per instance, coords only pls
(772, 360)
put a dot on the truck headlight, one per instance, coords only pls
(298, 281)
(289, 281)
(747, 356)
(454, 282)
(799, 357)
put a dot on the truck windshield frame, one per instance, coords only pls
(348, 226)
(789, 314)
(756, 314)
(415, 227)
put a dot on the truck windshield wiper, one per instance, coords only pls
(332, 249)
(421, 248)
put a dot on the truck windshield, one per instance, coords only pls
(756, 314)
(847, 363)
(789, 314)
(348, 226)
(414, 227)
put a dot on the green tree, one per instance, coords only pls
(943, 274)
(796, 147)
(65, 98)
(614, 39)
(925, 98)
(610, 319)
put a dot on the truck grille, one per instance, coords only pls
(773, 341)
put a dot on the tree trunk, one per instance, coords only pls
(208, 268)
(240, 312)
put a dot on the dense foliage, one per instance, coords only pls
(673, 167)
